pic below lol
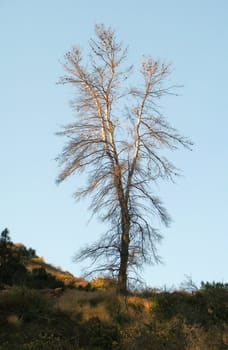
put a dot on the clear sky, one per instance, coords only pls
(193, 36)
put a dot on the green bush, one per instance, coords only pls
(40, 279)
(204, 307)
(12, 270)
(97, 335)
(154, 336)
(42, 341)
(27, 304)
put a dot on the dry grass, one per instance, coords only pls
(104, 304)
(142, 303)
(201, 339)
(63, 276)
(86, 304)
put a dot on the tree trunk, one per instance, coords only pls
(124, 252)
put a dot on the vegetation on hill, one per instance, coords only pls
(37, 315)
(21, 266)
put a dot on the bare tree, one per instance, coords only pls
(117, 141)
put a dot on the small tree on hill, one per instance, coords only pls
(12, 270)
(117, 140)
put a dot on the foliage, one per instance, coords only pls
(12, 268)
(207, 286)
(92, 318)
(205, 307)
(41, 326)
(14, 259)
(98, 335)
(36, 320)
(40, 279)
(104, 283)
(23, 302)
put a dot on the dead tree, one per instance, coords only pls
(117, 141)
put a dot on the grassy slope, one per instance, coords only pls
(78, 318)
(63, 276)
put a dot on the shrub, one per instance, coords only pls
(104, 283)
(25, 303)
(160, 336)
(12, 270)
(40, 279)
(98, 335)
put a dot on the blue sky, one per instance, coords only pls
(192, 35)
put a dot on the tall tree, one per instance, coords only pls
(117, 140)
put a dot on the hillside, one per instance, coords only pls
(66, 277)
(21, 266)
(44, 308)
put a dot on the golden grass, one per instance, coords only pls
(104, 304)
(145, 303)
(87, 304)
(66, 277)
